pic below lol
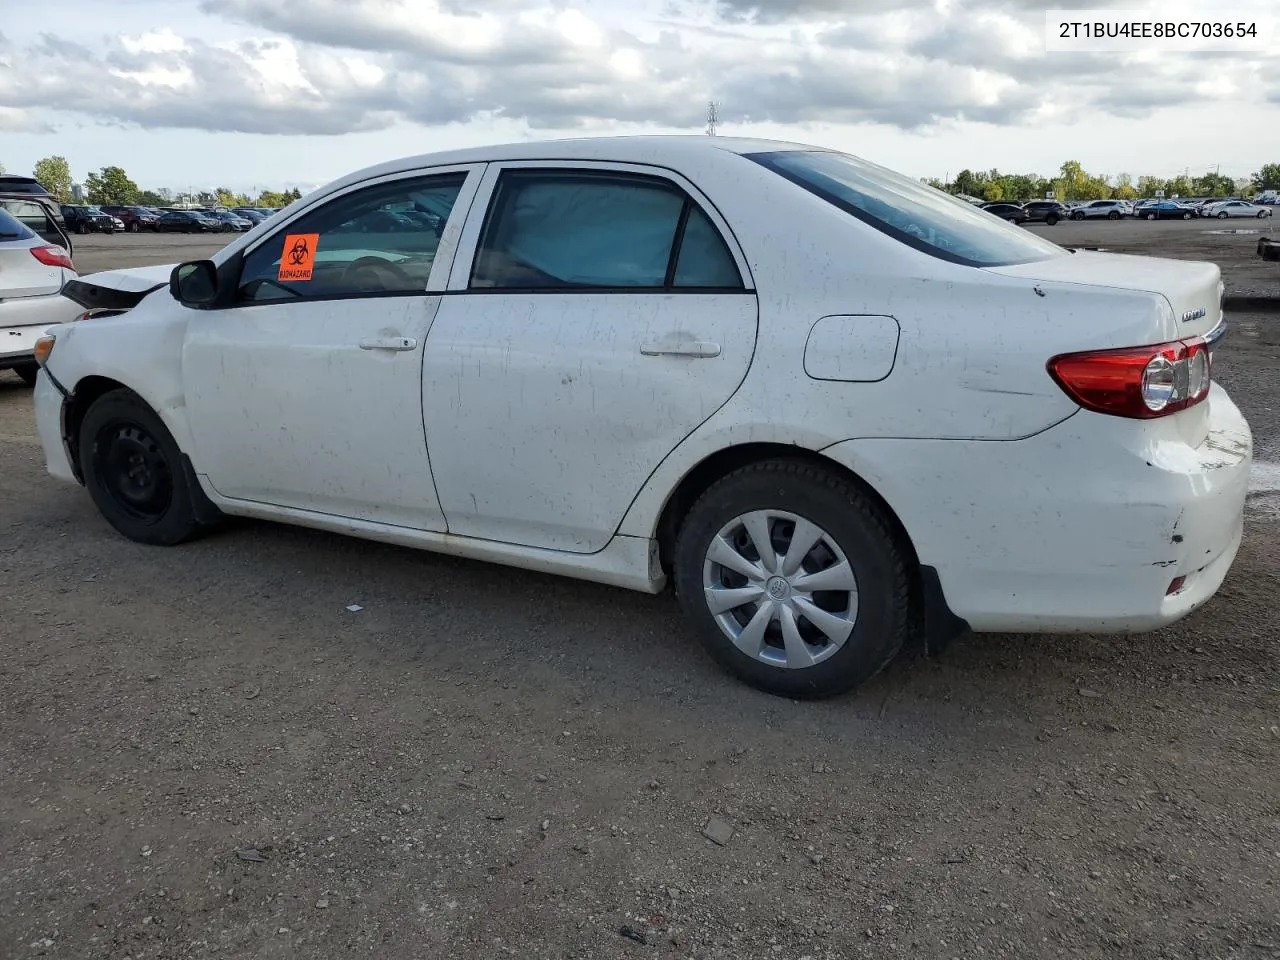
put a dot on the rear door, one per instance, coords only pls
(38, 218)
(596, 315)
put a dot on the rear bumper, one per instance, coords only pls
(1081, 529)
(24, 320)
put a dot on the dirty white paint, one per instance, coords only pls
(554, 433)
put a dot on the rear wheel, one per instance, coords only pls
(1077, 216)
(1186, 215)
(1263, 213)
(1051, 219)
(1113, 215)
(793, 579)
(1222, 214)
(1151, 216)
(133, 471)
(28, 372)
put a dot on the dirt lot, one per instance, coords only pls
(489, 763)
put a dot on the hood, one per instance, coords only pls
(117, 289)
(1192, 289)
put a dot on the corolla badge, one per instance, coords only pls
(1194, 315)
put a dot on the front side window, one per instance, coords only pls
(381, 240)
(551, 230)
(917, 215)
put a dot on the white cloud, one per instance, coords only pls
(906, 71)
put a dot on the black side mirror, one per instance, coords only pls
(195, 283)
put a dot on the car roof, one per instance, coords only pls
(657, 150)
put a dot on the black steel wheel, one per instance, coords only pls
(133, 470)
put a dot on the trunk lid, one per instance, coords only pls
(1191, 288)
(22, 275)
(117, 289)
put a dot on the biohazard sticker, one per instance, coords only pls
(298, 259)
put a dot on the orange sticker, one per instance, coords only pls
(298, 259)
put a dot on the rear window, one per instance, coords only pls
(11, 229)
(920, 216)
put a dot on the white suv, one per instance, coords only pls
(1111, 209)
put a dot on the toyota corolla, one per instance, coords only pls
(824, 402)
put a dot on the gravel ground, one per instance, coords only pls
(205, 754)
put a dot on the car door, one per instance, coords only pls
(39, 219)
(597, 314)
(307, 393)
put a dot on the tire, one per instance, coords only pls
(1051, 219)
(794, 491)
(133, 470)
(1222, 215)
(1113, 215)
(1077, 216)
(1186, 216)
(133, 227)
(81, 229)
(28, 372)
(1151, 216)
(1263, 213)
(1013, 220)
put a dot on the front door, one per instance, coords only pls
(307, 394)
(596, 316)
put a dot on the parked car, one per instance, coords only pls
(33, 206)
(87, 219)
(32, 274)
(188, 221)
(230, 221)
(1045, 211)
(133, 218)
(1235, 208)
(1111, 209)
(1168, 210)
(1012, 212)
(763, 373)
(249, 213)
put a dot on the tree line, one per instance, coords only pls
(1073, 182)
(112, 185)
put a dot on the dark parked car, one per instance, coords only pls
(230, 221)
(133, 218)
(1012, 212)
(1168, 210)
(1045, 211)
(88, 219)
(34, 207)
(187, 221)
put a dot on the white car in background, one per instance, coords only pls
(825, 401)
(1235, 208)
(32, 274)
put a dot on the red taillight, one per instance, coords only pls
(52, 256)
(1138, 382)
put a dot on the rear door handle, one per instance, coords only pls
(388, 343)
(685, 348)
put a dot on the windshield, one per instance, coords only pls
(919, 216)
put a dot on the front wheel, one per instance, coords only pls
(1151, 216)
(1077, 216)
(793, 579)
(1263, 213)
(132, 469)
(1186, 216)
(1051, 219)
(1113, 215)
(1222, 215)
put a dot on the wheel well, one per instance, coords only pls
(77, 405)
(723, 462)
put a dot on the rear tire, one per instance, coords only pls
(1051, 219)
(1151, 216)
(28, 372)
(1113, 215)
(1222, 214)
(133, 470)
(1186, 216)
(1077, 216)
(783, 630)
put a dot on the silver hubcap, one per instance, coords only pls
(780, 588)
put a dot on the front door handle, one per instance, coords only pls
(684, 348)
(388, 343)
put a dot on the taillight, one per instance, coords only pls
(52, 256)
(1137, 382)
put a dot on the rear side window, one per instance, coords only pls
(12, 229)
(554, 230)
(919, 216)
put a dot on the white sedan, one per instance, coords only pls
(822, 400)
(1235, 208)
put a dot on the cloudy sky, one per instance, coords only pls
(253, 93)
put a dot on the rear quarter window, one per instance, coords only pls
(12, 231)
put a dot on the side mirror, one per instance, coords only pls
(195, 283)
